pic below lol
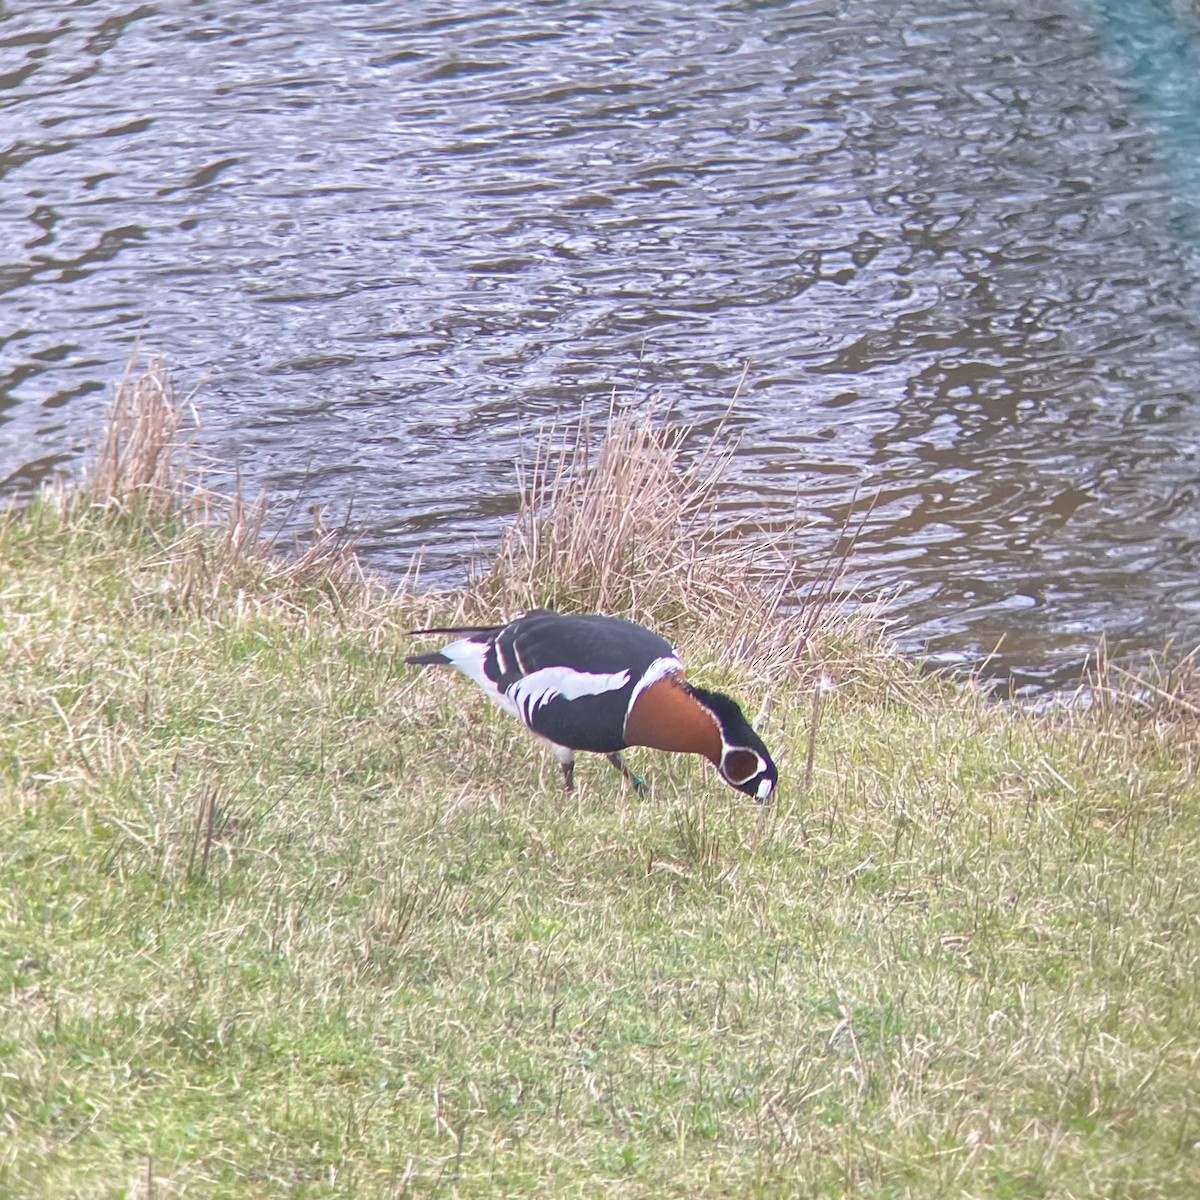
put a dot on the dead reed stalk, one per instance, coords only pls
(138, 466)
(609, 527)
(626, 521)
(144, 472)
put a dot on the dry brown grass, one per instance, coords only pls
(146, 472)
(625, 520)
(1159, 701)
(139, 466)
(620, 519)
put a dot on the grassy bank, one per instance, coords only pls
(281, 915)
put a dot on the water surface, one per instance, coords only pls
(955, 245)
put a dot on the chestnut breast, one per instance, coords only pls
(666, 716)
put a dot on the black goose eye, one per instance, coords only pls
(740, 766)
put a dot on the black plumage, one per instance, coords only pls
(600, 684)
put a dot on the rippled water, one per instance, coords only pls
(956, 246)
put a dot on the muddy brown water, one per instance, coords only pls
(955, 244)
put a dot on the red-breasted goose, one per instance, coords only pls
(601, 684)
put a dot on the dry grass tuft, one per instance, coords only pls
(215, 541)
(624, 520)
(621, 519)
(614, 527)
(138, 469)
(1160, 700)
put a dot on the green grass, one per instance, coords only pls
(279, 914)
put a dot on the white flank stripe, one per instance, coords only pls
(560, 683)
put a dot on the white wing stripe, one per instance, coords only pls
(560, 683)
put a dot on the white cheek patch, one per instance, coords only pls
(740, 765)
(764, 790)
(560, 683)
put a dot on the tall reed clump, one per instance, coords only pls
(625, 520)
(146, 477)
(139, 467)
(621, 518)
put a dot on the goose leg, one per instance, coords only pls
(639, 784)
(566, 760)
